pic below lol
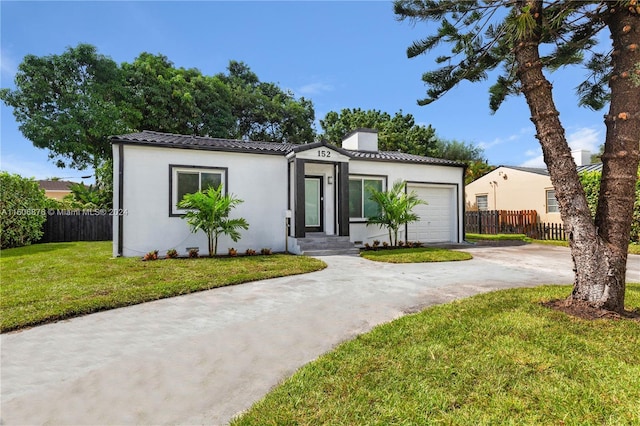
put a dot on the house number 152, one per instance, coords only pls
(323, 153)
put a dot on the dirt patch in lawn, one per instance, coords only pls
(583, 310)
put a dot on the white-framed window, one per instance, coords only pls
(360, 204)
(190, 179)
(482, 202)
(552, 201)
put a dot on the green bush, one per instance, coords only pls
(591, 184)
(22, 210)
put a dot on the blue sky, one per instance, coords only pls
(338, 54)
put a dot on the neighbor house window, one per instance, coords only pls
(552, 202)
(360, 203)
(482, 202)
(188, 180)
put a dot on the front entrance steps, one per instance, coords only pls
(321, 244)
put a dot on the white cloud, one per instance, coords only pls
(535, 160)
(524, 132)
(315, 88)
(585, 138)
(8, 65)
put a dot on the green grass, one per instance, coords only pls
(497, 358)
(496, 237)
(634, 248)
(415, 255)
(47, 282)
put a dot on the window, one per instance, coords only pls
(482, 203)
(188, 180)
(360, 204)
(552, 202)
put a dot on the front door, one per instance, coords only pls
(313, 202)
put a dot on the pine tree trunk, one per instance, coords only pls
(599, 253)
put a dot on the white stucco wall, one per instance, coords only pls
(260, 180)
(511, 189)
(410, 172)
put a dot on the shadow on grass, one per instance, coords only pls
(34, 249)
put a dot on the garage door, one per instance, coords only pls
(437, 218)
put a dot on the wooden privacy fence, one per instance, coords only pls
(548, 231)
(77, 225)
(500, 221)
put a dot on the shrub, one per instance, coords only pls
(250, 252)
(172, 254)
(152, 255)
(591, 184)
(233, 252)
(22, 210)
(266, 251)
(194, 253)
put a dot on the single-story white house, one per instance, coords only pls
(307, 198)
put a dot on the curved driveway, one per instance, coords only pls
(204, 357)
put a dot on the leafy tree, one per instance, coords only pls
(397, 133)
(22, 215)
(396, 209)
(527, 37)
(209, 212)
(264, 111)
(476, 169)
(69, 104)
(177, 100)
(457, 151)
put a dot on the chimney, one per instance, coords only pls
(582, 157)
(361, 140)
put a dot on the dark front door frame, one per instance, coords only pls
(320, 180)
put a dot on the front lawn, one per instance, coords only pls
(47, 282)
(634, 248)
(415, 255)
(497, 358)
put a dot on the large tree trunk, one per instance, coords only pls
(599, 252)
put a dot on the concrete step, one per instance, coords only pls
(321, 244)
(332, 252)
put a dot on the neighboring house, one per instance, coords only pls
(56, 189)
(522, 188)
(292, 193)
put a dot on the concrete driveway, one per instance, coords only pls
(203, 358)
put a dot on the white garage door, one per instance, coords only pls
(437, 218)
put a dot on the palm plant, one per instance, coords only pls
(396, 209)
(209, 211)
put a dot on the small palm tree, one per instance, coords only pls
(396, 209)
(209, 212)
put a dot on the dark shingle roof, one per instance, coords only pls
(544, 172)
(590, 168)
(202, 142)
(55, 185)
(536, 170)
(401, 156)
(232, 145)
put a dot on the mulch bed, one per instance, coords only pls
(583, 310)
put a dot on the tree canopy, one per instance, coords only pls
(70, 103)
(517, 41)
(265, 112)
(395, 133)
